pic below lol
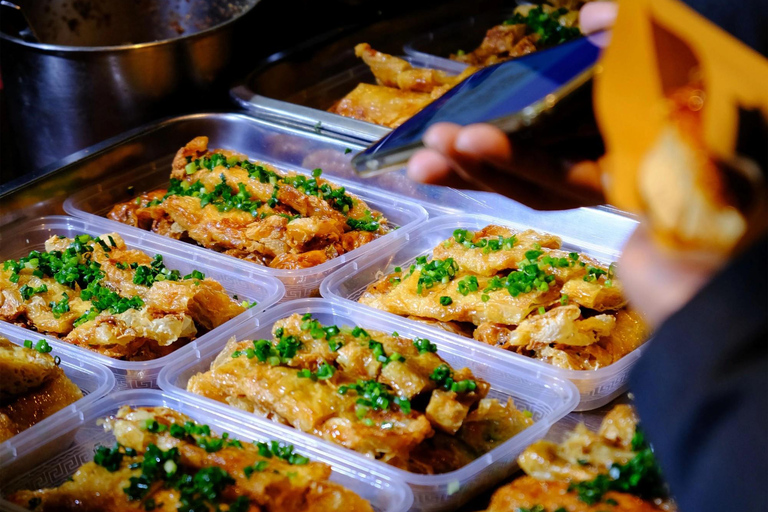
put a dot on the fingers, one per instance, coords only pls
(441, 137)
(480, 157)
(485, 143)
(428, 166)
(595, 16)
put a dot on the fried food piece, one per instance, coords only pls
(394, 72)
(476, 260)
(628, 334)
(32, 387)
(502, 42)
(220, 200)
(268, 478)
(526, 492)
(401, 89)
(493, 423)
(500, 306)
(596, 294)
(562, 325)
(385, 106)
(517, 290)
(117, 301)
(22, 369)
(381, 395)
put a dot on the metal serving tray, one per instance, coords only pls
(298, 85)
(309, 106)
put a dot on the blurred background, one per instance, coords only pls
(76, 72)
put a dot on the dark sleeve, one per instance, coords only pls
(746, 20)
(701, 391)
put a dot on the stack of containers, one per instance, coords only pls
(545, 395)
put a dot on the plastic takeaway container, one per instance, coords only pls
(94, 202)
(18, 241)
(597, 233)
(93, 379)
(546, 396)
(57, 453)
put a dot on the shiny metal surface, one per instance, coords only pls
(302, 82)
(43, 192)
(91, 77)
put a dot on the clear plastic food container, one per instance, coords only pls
(548, 397)
(598, 234)
(93, 379)
(58, 452)
(31, 235)
(436, 46)
(94, 202)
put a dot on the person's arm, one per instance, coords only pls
(701, 390)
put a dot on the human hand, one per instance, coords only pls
(481, 156)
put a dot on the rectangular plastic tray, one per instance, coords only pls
(58, 453)
(599, 234)
(94, 202)
(31, 235)
(548, 397)
(93, 379)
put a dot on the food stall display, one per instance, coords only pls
(445, 347)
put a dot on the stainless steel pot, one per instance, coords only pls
(104, 66)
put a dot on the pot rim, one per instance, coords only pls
(56, 48)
